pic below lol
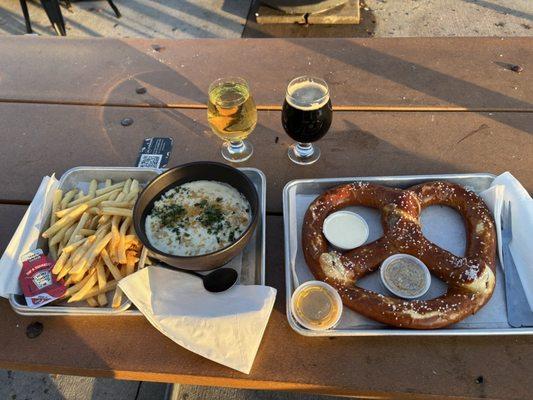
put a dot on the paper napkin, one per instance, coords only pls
(26, 236)
(224, 327)
(522, 223)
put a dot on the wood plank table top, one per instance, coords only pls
(469, 73)
(358, 144)
(61, 103)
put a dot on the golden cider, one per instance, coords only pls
(231, 111)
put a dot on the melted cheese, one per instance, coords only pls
(197, 218)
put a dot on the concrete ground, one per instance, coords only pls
(227, 19)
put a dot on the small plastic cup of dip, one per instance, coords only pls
(316, 305)
(345, 230)
(405, 276)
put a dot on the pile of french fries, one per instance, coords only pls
(92, 240)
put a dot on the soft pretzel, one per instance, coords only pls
(470, 279)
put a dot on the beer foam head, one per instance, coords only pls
(307, 94)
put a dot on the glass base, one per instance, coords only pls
(237, 151)
(303, 153)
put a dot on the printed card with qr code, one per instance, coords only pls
(155, 152)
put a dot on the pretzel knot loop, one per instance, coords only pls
(470, 279)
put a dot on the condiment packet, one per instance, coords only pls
(38, 284)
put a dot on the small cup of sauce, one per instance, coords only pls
(405, 276)
(345, 230)
(316, 305)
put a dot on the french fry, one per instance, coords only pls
(71, 247)
(108, 189)
(58, 237)
(67, 198)
(92, 302)
(78, 277)
(76, 256)
(121, 204)
(52, 251)
(134, 188)
(127, 186)
(112, 267)
(107, 183)
(75, 288)
(79, 200)
(81, 223)
(85, 288)
(130, 265)
(65, 269)
(60, 263)
(92, 187)
(94, 222)
(67, 220)
(68, 233)
(91, 202)
(88, 259)
(121, 248)
(117, 298)
(87, 232)
(131, 240)
(102, 280)
(142, 258)
(117, 211)
(56, 204)
(95, 291)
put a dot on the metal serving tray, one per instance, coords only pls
(490, 320)
(253, 261)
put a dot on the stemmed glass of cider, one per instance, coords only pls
(232, 115)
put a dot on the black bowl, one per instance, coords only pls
(196, 171)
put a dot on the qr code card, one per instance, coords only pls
(154, 152)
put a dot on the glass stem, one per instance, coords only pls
(304, 150)
(235, 146)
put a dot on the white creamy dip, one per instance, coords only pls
(197, 218)
(345, 230)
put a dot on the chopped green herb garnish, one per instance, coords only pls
(211, 217)
(170, 214)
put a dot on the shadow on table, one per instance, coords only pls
(422, 79)
(501, 9)
(435, 84)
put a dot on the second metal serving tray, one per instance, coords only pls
(297, 195)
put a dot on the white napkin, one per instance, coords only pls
(224, 327)
(26, 236)
(522, 223)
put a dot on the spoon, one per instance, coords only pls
(216, 281)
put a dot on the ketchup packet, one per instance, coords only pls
(38, 284)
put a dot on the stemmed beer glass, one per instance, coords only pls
(306, 117)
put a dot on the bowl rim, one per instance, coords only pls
(137, 212)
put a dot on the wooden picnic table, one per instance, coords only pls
(404, 106)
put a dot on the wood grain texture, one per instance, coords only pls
(40, 139)
(130, 348)
(461, 73)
